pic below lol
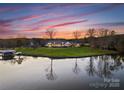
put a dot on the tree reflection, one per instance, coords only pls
(118, 61)
(51, 74)
(76, 68)
(18, 60)
(105, 66)
(91, 68)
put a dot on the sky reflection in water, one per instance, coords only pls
(101, 72)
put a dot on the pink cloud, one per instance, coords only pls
(27, 18)
(68, 23)
(54, 26)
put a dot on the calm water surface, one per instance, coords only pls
(24, 72)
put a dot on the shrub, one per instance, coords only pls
(120, 45)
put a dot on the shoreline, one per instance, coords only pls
(70, 52)
(65, 57)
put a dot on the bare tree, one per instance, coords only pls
(50, 33)
(91, 32)
(101, 32)
(76, 34)
(105, 32)
(112, 33)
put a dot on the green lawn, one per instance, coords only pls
(63, 52)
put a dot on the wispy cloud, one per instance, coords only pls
(57, 5)
(10, 9)
(5, 26)
(74, 16)
(36, 18)
(33, 29)
(68, 23)
(27, 18)
(107, 24)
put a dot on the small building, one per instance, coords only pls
(68, 44)
(7, 54)
(58, 43)
(76, 44)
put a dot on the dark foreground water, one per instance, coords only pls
(101, 72)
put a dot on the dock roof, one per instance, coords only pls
(7, 51)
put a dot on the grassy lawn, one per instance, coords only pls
(63, 52)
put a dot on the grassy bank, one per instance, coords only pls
(63, 52)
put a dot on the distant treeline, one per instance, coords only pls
(21, 42)
(115, 42)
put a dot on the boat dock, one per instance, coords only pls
(8, 54)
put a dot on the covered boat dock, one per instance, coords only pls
(8, 54)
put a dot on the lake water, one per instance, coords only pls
(25, 72)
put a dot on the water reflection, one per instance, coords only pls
(100, 66)
(51, 75)
(105, 66)
(16, 60)
(76, 68)
(42, 70)
(91, 68)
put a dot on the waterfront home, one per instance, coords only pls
(58, 43)
(76, 44)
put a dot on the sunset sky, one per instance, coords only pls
(32, 20)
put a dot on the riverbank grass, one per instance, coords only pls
(63, 52)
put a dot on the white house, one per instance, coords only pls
(58, 43)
